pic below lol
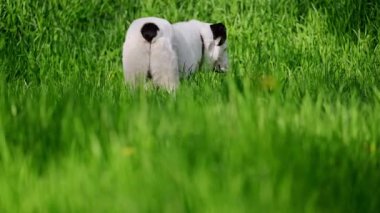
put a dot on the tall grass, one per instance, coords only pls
(293, 127)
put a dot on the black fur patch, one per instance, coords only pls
(149, 31)
(203, 51)
(203, 46)
(149, 75)
(219, 31)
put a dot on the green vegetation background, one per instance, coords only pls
(293, 127)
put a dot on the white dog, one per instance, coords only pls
(158, 50)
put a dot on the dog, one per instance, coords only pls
(158, 50)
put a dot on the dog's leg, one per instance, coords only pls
(135, 62)
(164, 64)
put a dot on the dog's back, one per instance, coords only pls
(188, 45)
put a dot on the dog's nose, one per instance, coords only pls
(220, 68)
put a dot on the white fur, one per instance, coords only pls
(139, 56)
(176, 49)
(188, 46)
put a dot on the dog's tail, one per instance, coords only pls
(149, 31)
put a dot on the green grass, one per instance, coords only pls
(293, 127)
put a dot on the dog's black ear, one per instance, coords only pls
(219, 31)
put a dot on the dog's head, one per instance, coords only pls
(216, 47)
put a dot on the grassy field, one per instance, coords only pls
(293, 127)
